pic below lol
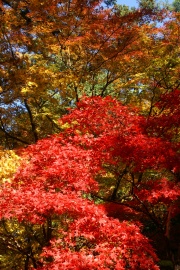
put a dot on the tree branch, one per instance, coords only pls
(33, 126)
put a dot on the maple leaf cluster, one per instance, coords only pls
(58, 177)
(85, 198)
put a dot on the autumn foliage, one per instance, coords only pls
(89, 135)
(54, 52)
(55, 185)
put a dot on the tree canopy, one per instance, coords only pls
(89, 135)
(55, 52)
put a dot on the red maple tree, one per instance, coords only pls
(61, 175)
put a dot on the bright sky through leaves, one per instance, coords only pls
(132, 3)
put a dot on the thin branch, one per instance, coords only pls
(33, 126)
(2, 128)
(114, 194)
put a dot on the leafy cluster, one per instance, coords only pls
(89, 134)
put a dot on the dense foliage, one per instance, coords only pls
(89, 133)
(53, 52)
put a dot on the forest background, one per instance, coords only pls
(89, 135)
